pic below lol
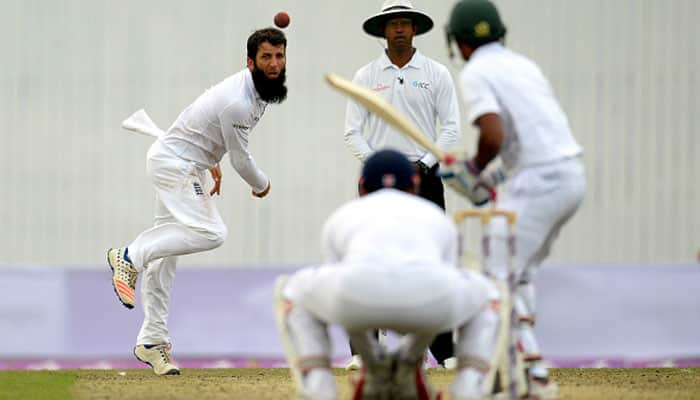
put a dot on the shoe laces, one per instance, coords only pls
(164, 350)
(126, 272)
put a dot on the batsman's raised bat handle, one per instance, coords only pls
(377, 105)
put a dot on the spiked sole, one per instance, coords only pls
(114, 284)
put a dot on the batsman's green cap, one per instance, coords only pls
(475, 22)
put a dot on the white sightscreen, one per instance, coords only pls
(626, 72)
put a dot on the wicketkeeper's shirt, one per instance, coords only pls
(536, 130)
(390, 228)
(219, 121)
(423, 90)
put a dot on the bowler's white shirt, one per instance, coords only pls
(536, 130)
(389, 228)
(219, 121)
(422, 89)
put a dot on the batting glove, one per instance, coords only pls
(464, 177)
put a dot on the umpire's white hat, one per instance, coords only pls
(375, 24)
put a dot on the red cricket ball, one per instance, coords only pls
(281, 19)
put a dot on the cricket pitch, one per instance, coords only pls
(274, 383)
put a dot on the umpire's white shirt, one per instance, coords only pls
(220, 121)
(536, 130)
(422, 89)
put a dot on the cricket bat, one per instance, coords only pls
(376, 104)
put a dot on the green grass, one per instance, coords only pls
(37, 385)
(273, 384)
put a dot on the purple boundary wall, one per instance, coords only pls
(588, 316)
(119, 364)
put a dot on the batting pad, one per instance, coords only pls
(281, 310)
(499, 370)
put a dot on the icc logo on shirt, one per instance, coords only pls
(421, 85)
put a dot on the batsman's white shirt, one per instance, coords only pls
(219, 121)
(536, 130)
(423, 90)
(546, 176)
(390, 263)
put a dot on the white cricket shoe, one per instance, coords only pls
(158, 357)
(383, 339)
(543, 389)
(123, 277)
(450, 364)
(355, 363)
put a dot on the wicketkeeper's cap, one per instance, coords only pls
(387, 169)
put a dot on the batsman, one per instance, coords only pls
(519, 120)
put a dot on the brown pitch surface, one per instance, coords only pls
(252, 383)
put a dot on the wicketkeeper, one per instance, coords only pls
(374, 277)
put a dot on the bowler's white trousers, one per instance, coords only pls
(186, 221)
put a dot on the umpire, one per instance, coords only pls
(419, 87)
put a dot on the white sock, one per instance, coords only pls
(538, 370)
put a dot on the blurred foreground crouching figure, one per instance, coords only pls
(374, 276)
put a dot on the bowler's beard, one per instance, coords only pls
(271, 90)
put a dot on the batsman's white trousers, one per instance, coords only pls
(544, 198)
(423, 299)
(187, 221)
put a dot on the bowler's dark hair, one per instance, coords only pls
(271, 35)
